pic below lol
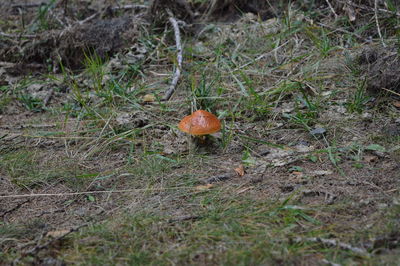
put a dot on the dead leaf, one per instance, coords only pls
(396, 104)
(149, 98)
(204, 187)
(288, 66)
(240, 170)
(350, 12)
(57, 233)
(370, 158)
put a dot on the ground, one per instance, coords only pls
(93, 169)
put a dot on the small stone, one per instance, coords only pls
(366, 115)
(318, 132)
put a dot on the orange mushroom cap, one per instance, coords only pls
(200, 123)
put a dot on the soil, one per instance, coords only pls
(370, 188)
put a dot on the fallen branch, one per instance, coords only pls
(177, 73)
(333, 243)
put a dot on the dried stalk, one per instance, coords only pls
(377, 23)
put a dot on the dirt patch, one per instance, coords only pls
(71, 46)
(98, 152)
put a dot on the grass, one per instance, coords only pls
(225, 230)
(30, 169)
(271, 84)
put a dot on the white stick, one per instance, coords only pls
(332, 9)
(177, 73)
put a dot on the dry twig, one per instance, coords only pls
(16, 207)
(332, 9)
(177, 73)
(18, 35)
(127, 7)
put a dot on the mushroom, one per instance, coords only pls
(200, 123)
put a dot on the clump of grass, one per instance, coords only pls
(31, 103)
(94, 67)
(29, 169)
(360, 98)
(203, 92)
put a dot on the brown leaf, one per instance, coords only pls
(396, 104)
(240, 170)
(370, 158)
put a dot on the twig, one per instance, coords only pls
(377, 23)
(177, 73)
(48, 97)
(395, 93)
(333, 10)
(19, 205)
(88, 18)
(334, 243)
(126, 7)
(17, 35)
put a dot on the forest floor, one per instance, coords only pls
(94, 171)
